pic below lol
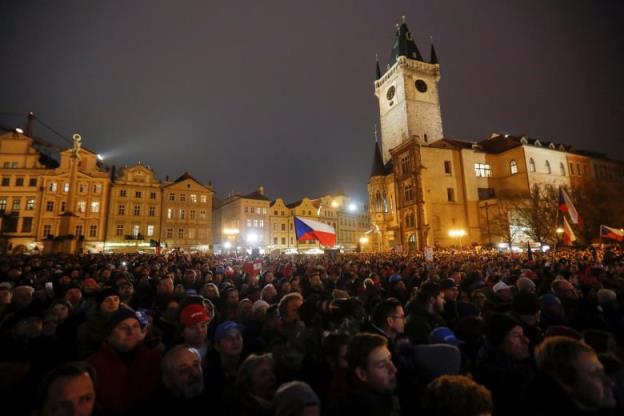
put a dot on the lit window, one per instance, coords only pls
(95, 206)
(136, 230)
(203, 199)
(97, 188)
(82, 206)
(93, 231)
(119, 230)
(513, 167)
(482, 170)
(150, 230)
(169, 213)
(531, 165)
(193, 198)
(52, 187)
(30, 204)
(65, 187)
(182, 214)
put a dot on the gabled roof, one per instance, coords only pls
(499, 144)
(294, 204)
(257, 196)
(186, 175)
(452, 144)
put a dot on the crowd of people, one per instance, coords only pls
(365, 334)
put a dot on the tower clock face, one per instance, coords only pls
(390, 93)
(421, 85)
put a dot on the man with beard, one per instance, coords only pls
(183, 384)
(425, 313)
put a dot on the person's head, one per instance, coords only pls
(194, 320)
(6, 293)
(210, 291)
(289, 307)
(452, 395)
(335, 347)
(502, 291)
(268, 293)
(73, 295)
(228, 339)
(431, 296)
(256, 376)
(61, 308)
(109, 300)
(449, 288)
(126, 290)
(182, 372)
(563, 289)
(390, 317)
(124, 330)
(576, 368)
(296, 398)
(23, 296)
(524, 284)
(230, 296)
(69, 389)
(527, 306)
(189, 278)
(505, 333)
(258, 310)
(165, 286)
(371, 362)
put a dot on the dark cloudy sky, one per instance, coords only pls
(280, 92)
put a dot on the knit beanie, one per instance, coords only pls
(497, 326)
(119, 315)
(290, 398)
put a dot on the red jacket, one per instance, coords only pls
(125, 383)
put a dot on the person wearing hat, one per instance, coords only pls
(95, 328)
(503, 365)
(194, 321)
(501, 301)
(296, 398)
(128, 372)
(450, 292)
(223, 362)
(526, 310)
(424, 313)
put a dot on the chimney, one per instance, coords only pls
(261, 190)
(167, 178)
(113, 171)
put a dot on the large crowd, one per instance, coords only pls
(466, 333)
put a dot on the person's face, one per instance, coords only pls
(269, 277)
(292, 309)
(165, 286)
(438, 305)
(269, 293)
(210, 291)
(566, 291)
(5, 296)
(185, 376)
(23, 297)
(593, 389)
(189, 278)
(479, 299)
(380, 372)
(231, 345)
(61, 311)
(195, 334)
(451, 294)
(285, 288)
(73, 295)
(126, 291)
(110, 304)
(70, 396)
(231, 298)
(516, 344)
(396, 321)
(263, 379)
(126, 335)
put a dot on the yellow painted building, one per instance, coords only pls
(134, 208)
(186, 220)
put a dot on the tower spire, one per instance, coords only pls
(29, 124)
(377, 69)
(404, 44)
(433, 57)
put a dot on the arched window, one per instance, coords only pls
(562, 168)
(513, 167)
(385, 202)
(378, 202)
(531, 165)
(548, 169)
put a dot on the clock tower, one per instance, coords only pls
(409, 104)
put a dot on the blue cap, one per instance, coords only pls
(443, 335)
(225, 327)
(395, 278)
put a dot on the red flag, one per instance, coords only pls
(568, 234)
(566, 205)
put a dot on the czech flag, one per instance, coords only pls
(568, 235)
(566, 205)
(611, 233)
(306, 229)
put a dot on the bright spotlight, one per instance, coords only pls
(100, 158)
(353, 207)
(20, 131)
(252, 238)
(227, 245)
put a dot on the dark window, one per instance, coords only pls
(19, 181)
(447, 167)
(27, 224)
(450, 194)
(6, 180)
(486, 193)
(32, 182)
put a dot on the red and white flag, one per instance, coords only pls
(566, 205)
(568, 234)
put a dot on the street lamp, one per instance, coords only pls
(459, 233)
(363, 242)
(559, 232)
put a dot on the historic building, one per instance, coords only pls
(134, 208)
(186, 220)
(428, 190)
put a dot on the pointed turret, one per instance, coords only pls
(378, 165)
(434, 56)
(377, 69)
(404, 45)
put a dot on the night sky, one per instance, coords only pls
(280, 93)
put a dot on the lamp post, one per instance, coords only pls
(559, 232)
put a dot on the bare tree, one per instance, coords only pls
(501, 216)
(539, 214)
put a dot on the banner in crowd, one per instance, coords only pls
(611, 233)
